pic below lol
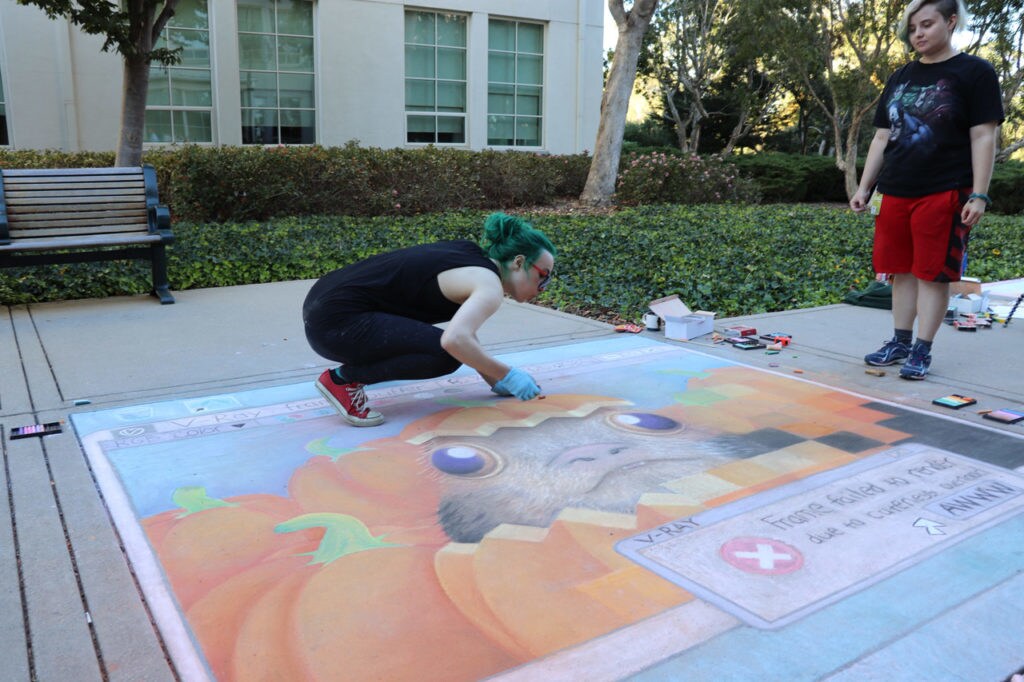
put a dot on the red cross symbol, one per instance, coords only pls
(762, 555)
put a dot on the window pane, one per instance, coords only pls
(419, 95)
(4, 139)
(192, 126)
(528, 132)
(295, 17)
(195, 46)
(159, 92)
(190, 14)
(531, 38)
(451, 130)
(419, 28)
(297, 90)
(501, 99)
(259, 126)
(256, 15)
(500, 130)
(451, 97)
(531, 70)
(419, 62)
(451, 63)
(257, 52)
(501, 68)
(451, 30)
(191, 88)
(528, 101)
(158, 126)
(259, 89)
(501, 35)
(295, 54)
(420, 129)
(297, 127)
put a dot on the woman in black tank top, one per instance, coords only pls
(376, 317)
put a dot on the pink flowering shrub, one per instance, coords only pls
(660, 178)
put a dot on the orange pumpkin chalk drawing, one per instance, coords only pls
(479, 538)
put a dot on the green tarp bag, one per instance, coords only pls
(877, 295)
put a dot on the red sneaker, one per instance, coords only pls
(349, 400)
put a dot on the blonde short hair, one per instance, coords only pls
(947, 8)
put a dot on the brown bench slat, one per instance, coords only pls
(57, 233)
(53, 243)
(98, 227)
(71, 172)
(97, 217)
(22, 186)
(84, 181)
(67, 207)
(44, 196)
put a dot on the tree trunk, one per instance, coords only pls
(133, 111)
(604, 168)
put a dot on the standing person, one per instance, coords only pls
(932, 157)
(376, 317)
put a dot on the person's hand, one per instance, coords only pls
(517, 383)
(859, 201)
(972, 212)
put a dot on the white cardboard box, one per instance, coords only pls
(682, 324)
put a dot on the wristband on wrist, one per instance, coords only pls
(983, 197)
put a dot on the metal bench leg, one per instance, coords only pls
(161, 287)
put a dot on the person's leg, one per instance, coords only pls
(904, 301)
(940, 245)
(932, 302)
(893, 253)
(376, 347)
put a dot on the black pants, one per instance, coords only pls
(375, 347)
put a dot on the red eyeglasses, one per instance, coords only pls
(545, 277)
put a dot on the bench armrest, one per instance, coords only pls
(160, 221)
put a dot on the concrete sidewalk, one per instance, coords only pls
(78, 613)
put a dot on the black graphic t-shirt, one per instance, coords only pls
(929, 110)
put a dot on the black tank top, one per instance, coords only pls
(401, 282)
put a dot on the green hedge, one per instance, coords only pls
(735, 260)
(224, 184)
(793, 178)
(1007, 188)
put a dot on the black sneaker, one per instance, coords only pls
(891, 353)
(917, 364)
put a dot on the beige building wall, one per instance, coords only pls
(63, 92)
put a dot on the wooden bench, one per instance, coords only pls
(70, 215)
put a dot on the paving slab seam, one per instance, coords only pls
(16, 545)
(74, 561)
(136, 583)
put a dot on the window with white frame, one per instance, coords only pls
(277, 78)
(435, 77)
(179, 103)
(515, 83)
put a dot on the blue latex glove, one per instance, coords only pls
(517, 383)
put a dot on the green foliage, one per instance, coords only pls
(1007, 188)
(658, 177)
(650, 132)
(121, 23)
(789, 178)
(735, 260)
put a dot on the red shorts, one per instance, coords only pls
(922, 235)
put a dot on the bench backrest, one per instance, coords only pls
(66, 202)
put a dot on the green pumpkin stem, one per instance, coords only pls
(194, 499)
(343, 535)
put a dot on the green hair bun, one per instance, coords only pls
(507, 236)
